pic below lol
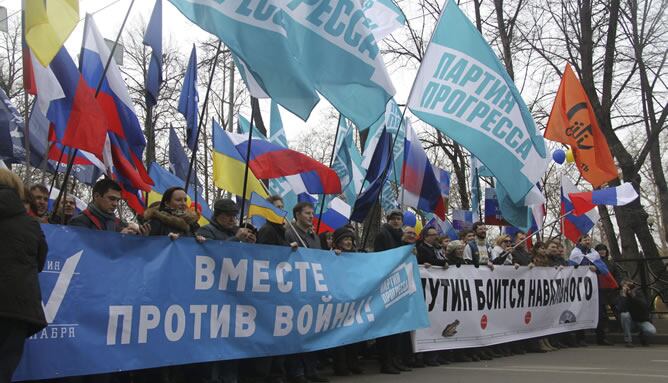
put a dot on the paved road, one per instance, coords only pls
(591, 365)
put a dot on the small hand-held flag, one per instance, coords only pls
(263, 208)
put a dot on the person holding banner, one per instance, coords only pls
(389, 348)
(303, 367)
(23, 257)
(478, 250)
(521, 255)
(427, 253)
(172, 217)
(502, 251)
(346, 358)
(223, 225)
(101, 212)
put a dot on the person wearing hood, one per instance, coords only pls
(224, 226)
(172, 217)
(346, 358)
(23, 257)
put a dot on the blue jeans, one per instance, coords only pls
(628, 325)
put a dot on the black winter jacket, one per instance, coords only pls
(427, 254)
(214, 231)
(22, 256)
(387, 238)
(272, 234)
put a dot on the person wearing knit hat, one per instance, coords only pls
(343, 239)
(346, 359)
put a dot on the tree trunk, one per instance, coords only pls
(505, 38)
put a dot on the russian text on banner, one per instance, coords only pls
(463, 90)
(475, 307)
(116, 302)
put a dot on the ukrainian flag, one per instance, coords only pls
(48, 24)
(263, 208)
(164, 180)
(229, 167)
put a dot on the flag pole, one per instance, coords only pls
(26, 119)
(546, 225)
(70, 163)
(248, 151)
(201, 115)
(331, 162)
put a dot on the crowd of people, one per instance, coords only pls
(25, 249)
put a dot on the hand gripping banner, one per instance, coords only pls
(475, 307)
(116, 302)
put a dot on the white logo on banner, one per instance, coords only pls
(52, 306)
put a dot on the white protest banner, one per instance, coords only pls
(474, 307)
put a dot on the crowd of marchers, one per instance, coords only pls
(24, 251)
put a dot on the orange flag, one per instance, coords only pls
(573, 122)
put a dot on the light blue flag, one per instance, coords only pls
(383, 17)
(243, 125)
(293, 49)
(153, 38)
(517, 215)
(348, 161)
(276, 132)
(463, 90)
(189, 99)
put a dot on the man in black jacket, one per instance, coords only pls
(426, 250)
(390, 347)
(101, 213)
(223, 225)
(634, 313)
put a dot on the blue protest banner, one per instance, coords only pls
(116, 302)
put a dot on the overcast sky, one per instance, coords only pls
(179, 31)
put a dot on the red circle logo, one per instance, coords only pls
(483, 322)
(527, 317)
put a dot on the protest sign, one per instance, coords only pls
(475, 307)
(117, 302)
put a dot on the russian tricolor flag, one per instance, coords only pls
(67, 100)
(605, 279)
(614, 196)
(268, 160)
(422, 190)
(334, 217)
(574, 226)
(125, 135)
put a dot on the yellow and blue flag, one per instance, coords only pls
(265, 209)
(48, 25)
(229, 167)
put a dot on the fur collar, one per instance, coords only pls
(183, 223)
